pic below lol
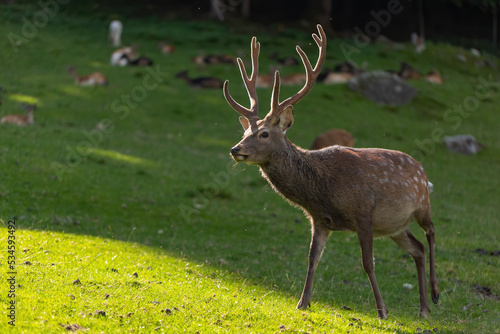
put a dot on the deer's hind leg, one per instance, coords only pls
(416, 249)
(427, 225)
(365, 236)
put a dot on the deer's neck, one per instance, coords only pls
(291, 173)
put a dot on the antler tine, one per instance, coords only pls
(236, 106)
(311, 74)
(249, 84)
(276, 92)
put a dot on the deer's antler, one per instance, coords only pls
(311, 74)
(276, 107)
(252, 113)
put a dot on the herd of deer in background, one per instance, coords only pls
(340, 74)
(129, 56)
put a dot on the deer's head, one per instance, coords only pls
(264, 136)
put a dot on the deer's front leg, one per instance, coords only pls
(318, 241)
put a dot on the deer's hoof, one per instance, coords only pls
(424, 313)
(303, 306)
(382, 314)
(435, 298)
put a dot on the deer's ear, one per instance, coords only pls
(286, 119)
(245, 123)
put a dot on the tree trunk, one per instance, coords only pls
(215, 10)
(495, 24)
(421, 26)
(245, 9)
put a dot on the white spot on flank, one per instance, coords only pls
(400, 168)
(409, 160)
(415, 186)
(418, 172)
(415, 178)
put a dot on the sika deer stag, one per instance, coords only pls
(373, 192)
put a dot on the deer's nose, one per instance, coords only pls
(235, 150)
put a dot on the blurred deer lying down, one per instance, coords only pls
(200, 82)
(21, 119)
(333, 137)
(214, 59)
(166, 48)
(342, 73)
(266, 80)
(128, 56)
(139, 61)
(372, 192)
(115, 33)
(92, 79)
(434, 77)
(287, 61)
(465, 144)
(329, 77)
(407, 72)
(122, 56)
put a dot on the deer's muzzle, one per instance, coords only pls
(237, 155)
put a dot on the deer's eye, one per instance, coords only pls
(264, 134)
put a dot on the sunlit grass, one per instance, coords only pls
(103, 284)
(122, 157)
(24, 99)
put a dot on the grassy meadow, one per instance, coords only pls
(131, 217)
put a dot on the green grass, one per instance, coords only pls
(158, 195)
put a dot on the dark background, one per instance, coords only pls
(469, 23)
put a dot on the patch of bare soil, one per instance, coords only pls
(485, 292)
